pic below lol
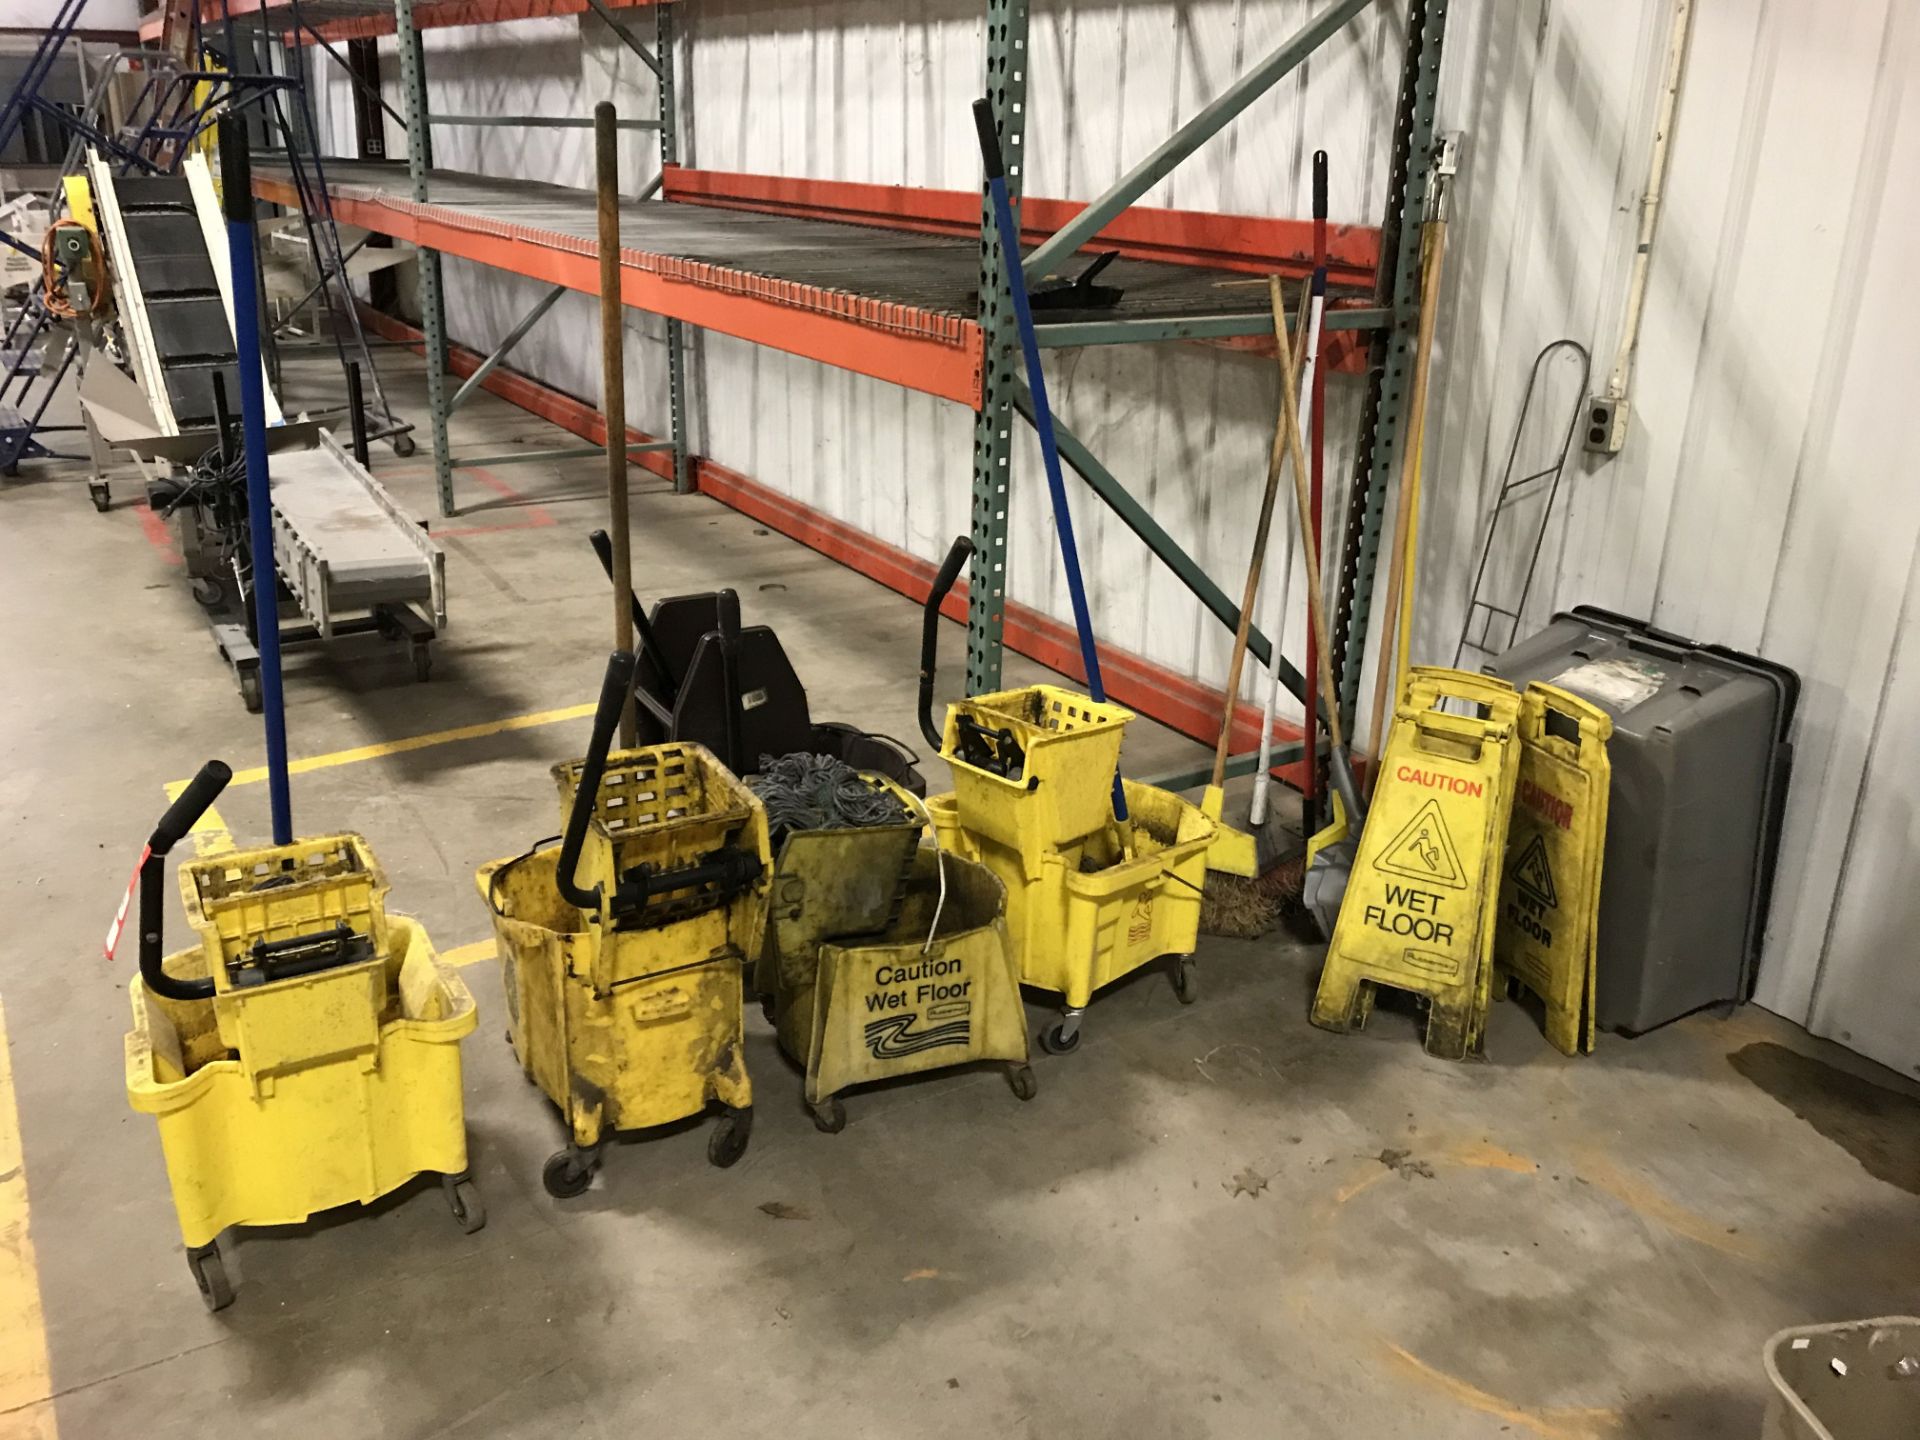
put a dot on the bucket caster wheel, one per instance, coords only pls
(102, 496)
(829, 1116)
(1062, 1038)
(1020, 1080)
(210, 1274)
(207, 594)
(1186, 980)
(569, 1172)
(403, 446)
(729, 1139)
(463, 1199)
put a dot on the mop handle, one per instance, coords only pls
(237, 201)
(1042, 412)
(1262, 777)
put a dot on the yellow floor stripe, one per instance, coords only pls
(258, 774)
(209, 832)
(1572, 1423)
(25, 1383)
(471, 954)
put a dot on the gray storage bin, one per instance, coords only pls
(1700, 761)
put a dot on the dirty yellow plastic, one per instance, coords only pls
(1233, 851)
(1548, 933)
(80, 205)
(1065, 789)
(623, 1029)
(1093, 915)
(888, 1004)
(280, 1100)
(1332, 833)
(1420, 907)
(671, 806)
(845, 880)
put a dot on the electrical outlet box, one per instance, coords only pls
(1606, 425)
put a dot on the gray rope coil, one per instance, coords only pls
(817, 792)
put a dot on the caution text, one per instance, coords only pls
(1436, 780)
(1546, 804)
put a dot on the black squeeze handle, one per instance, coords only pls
(200, 793)
(603, 547)
(606, 716)
(989, 139)
(1319, 184)
(930, 627)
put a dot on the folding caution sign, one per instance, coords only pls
(1547, 936)
(1420, 907)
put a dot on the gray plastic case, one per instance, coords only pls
(1700, 760)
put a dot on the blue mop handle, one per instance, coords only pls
(237, 200)
(1042, 412)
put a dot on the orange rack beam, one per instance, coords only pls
(778, 263)
(936, 353)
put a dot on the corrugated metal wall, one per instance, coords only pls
(1759, 502)
(1763, 500)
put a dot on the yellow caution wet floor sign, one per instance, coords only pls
(1420, 907)
(1547, 934)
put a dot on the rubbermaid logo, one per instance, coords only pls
(895, 1037)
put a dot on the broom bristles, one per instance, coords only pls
(1245, 909)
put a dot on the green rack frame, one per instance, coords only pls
(1391, 320)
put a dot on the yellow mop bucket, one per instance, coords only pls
(1033, 768)
(833, 881)
(878, 973)
(1420, 907)
(1548, 936)
(306, 1054)
(1093, 914)
(624, 993)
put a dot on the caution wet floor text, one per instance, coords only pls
(1420, 910)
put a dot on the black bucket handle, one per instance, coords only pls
(602, 544)
(943, 582)
(194, 801)
(606, 716)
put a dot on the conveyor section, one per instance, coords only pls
(167, 250)
(185, 315)
(343, 546)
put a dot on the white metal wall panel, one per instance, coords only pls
(1760, 501)
(1844, 605)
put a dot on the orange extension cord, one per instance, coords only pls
(57, 300)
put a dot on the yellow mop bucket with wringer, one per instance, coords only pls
(1102, 907)
(306, 1054)
(623, 953)
(1089, 899)
(884, 958)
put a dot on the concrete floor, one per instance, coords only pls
(1213, 1221)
